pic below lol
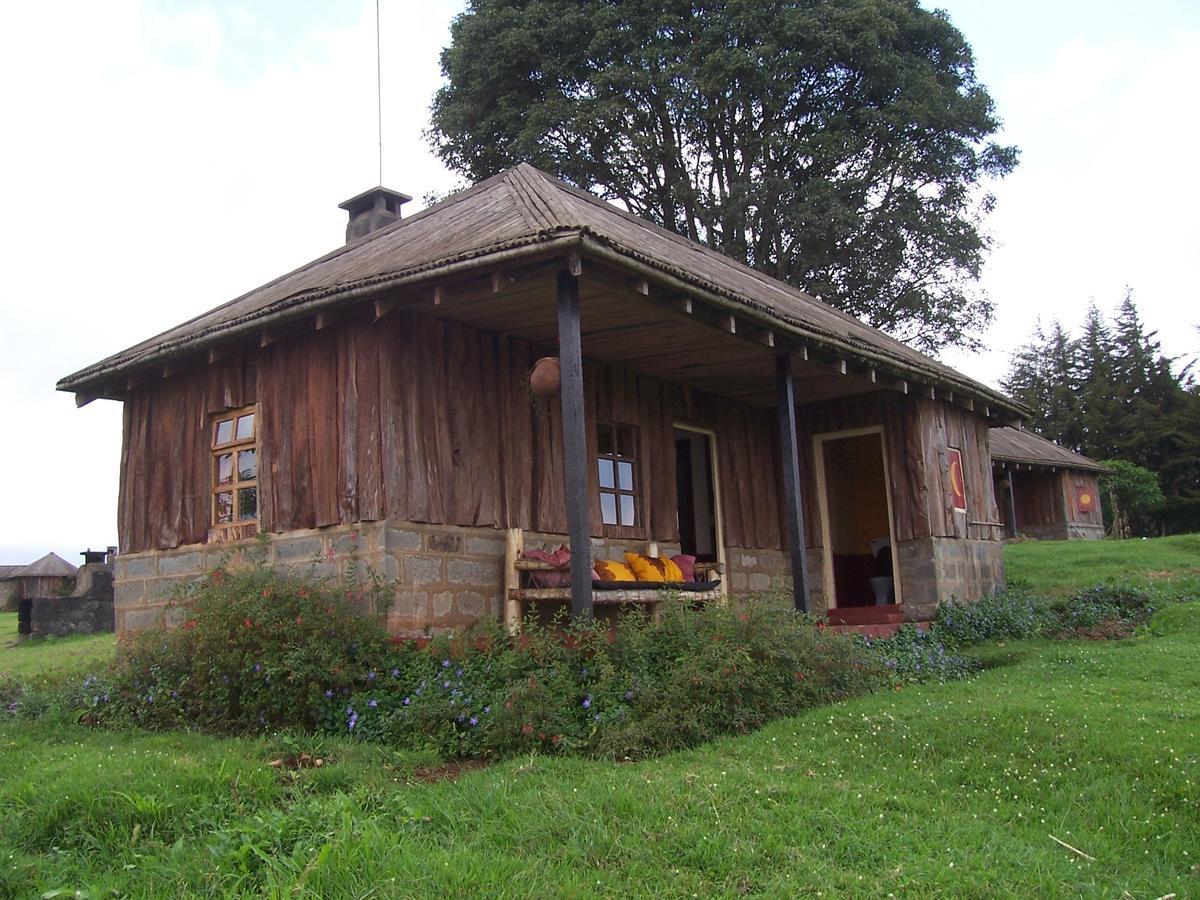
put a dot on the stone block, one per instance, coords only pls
(295, 549)
(133, 567)
(189, 563)
(129, 592)
(481, 546)
(473, 571)
(168, 587)
(409, 604)
(738, 581)
(474, 605)
(759, 581)
(421, 570)
(443, 542)
(443, 604)
(401, 538)
(140, 619)
(349, 543)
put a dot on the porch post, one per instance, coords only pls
(793, 508)
(1012, 502)
(574, 438)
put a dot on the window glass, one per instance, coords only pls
(225, 468)
(625, 476)
(626, 509)
(247, 504)
(608, 508)
(605, 443)
(225, 506)
(245, 427)
(606, 474)
(224, 431)
(247, 465)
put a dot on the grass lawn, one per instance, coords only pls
(941, 790)
(1171, 563)
(52, 657)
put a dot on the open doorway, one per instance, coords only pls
(697, 492)
(856, 518)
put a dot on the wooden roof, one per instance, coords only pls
(523, 212)
(1015, 445)
(49, 566)
(7, 572)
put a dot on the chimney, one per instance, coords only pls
(372, 210)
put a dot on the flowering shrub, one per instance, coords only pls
(634, 690)
(915, 655)
(1008, 614)
(253, 650)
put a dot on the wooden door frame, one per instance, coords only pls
(715, 476)
(819, 441)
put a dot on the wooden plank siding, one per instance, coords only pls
(419, 419)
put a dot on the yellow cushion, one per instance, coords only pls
(611, 570)
(653, 568)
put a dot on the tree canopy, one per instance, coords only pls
(843, 146)
(1112, 394)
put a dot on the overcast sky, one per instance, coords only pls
(160, 158)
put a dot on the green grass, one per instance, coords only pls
(50, 657)
(1171, 564)
(941, 790)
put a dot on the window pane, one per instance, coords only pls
(625, 443)
(245, 429)
(608, 509)
(625, 476)
(224, 431)
(225, 468)
(247, 504)
(604, 440)
(225, 506)
(247, 465)
(626, 509)
(606, 473)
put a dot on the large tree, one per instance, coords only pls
(844, 146)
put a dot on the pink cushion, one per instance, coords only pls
(687, 565)
(559, 557)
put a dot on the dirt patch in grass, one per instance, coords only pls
(449, 771)
(1114, 630)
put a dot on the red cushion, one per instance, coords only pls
(687, 565)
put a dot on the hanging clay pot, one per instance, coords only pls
(545, 377)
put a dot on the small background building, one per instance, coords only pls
(1044, 490)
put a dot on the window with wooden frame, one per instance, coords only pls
(234, 469)
(616, 447)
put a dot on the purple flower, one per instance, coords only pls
(372, 703)
(349, 710)
(458, 673)
(486, 709)
(629, 695)
(328, 693)
(445, 663)
(596, 717)
(407, 701)
(174, 694)
(395, 673)
(371, 675)
(587, 702)
(257, 668)
(352, 721)
(474, 721)
(445, 684)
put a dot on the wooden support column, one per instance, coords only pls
(574, 438)
(793, 505)
(1012, 503)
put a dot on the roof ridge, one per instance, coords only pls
(530, 202)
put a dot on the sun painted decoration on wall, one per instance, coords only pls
(1086, 499)
(958, 484)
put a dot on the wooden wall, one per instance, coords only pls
(425, 420)
(1075, 483)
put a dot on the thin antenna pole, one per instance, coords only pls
(379, 91)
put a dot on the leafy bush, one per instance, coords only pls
(254, 650)
(1106, 610)
(915, 655)
(633, 690)
(1009, 614)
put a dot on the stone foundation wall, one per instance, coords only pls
(1050, 531)
(1084, 531)
(61, 616)
(447, 577)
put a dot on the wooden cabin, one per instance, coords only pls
(373, 408)
(1044, 490)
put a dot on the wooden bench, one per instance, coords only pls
(518, 593)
